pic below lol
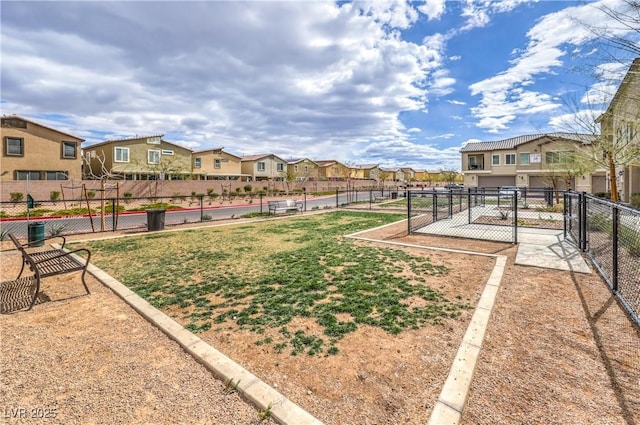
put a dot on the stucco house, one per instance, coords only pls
(217, 164)
(330, 169)
(621, 125)
(302, 169)
(138, 158)
(34, 151)
(531, 161)
(365, 171)
(264, 167)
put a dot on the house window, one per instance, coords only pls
(69, 150)
(14, 146)
(280, 167)
(510, 159)
(524, 158)
(216, 163)
(306, 169)
(121, 155)
(56, 175)
(563, 157)
(261, 166)
(153, 156)
(197, 162)
(27, 175)
(295, 168)
(495, 159)
(167, 152)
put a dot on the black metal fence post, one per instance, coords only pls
(469, 206)
(201, 196)
(515, 216)
(260, 202)
(434, 206)
(409, 214)
(114, 215)
(304, 190)
(370, 198)
(450, 198)
(616, 239)
(565, 213)
(582, 216)
(337, 201)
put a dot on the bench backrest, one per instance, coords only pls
(26, 258)
(16, 242)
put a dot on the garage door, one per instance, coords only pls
(496, 181)
(542, 181)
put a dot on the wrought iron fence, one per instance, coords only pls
(609, 234)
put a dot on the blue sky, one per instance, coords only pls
(389, 82)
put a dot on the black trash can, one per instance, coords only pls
(394, 195)
(35, 233)
(155, 220)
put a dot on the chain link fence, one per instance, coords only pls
(609, 234)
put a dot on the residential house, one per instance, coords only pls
(427, 176)
(264, 167)
(302, 169)
(621, 124)
(217, 164)
(365, 171)
(330, 169)
(532, 161)
(391, 174)
(32, 151)
(409, 174)
(138, 158)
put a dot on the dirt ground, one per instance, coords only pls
(558, 350)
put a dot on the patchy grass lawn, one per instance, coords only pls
(266, 274)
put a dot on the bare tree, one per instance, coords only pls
(623, 35)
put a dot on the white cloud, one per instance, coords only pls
(414, 130)
(456, 102)
(503, 97)
(440, 136)
(478, 12)
(303, 78)
(434, 9)
(409, 154)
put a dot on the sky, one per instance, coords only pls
(387, 82)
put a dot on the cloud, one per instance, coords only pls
(503, 97)
(456, 102)
(434, 9)
(303, 78)
(478, 12)
(440, 136)
(414, 130)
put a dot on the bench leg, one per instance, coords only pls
(86, 288)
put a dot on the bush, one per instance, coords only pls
(91, 194)
(635, 200)
(604, 195)
(16, 196)
(248, 188)
(54, 195)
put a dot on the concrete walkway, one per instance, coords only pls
(548, 249)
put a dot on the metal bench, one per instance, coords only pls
(285, 206)
(22, 292)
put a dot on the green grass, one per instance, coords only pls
(264, 275)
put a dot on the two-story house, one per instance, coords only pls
(32, 151)
(302, 169)
(264, 167)
(532, 161)
(620, 125)
(365, 171)
(330, 169)
(217, 164)
(138, 158)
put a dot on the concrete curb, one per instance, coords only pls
(283, 410)
(455, 391)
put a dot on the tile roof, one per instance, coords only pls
(41, 125)
(517, 141)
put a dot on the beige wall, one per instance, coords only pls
(229, 164)
(335, 171)
(270, 171)
(303, 170)
(42, 152)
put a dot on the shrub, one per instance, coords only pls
(248, 188)
(238, 189)
(207, 217)
(54, 195)
(91, 194)
(16, 196)
(635, 200)
(604, 195)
